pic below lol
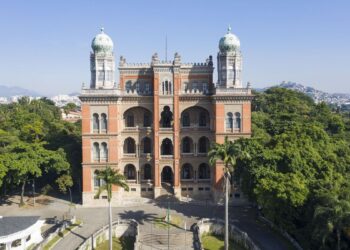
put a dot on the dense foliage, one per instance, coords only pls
(299, 168)
(36, 144)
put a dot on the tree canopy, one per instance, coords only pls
(299, 155)
(36, 143)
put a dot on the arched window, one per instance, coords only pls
(128, 86)
(130, 172)
(104, 152)
(104, 122)
(229, 120)
(203, 171)
(97, 182)
(146, 120)
(147, 172)
(167, 147)
(129, 146)
(187, 145)
(186, 119)
(95, 123)
(187, 171)
(147, 145)
(203, 145)
(238, 120)
(96, 152)
(166, 117)
(202, 119)
(130, 120)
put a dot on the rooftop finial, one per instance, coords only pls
(102, 29)
(229, 29)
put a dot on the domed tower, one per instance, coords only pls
(102, 63)
(229, 61)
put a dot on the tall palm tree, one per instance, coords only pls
(110, 177)
(227, 153)
(332, 216)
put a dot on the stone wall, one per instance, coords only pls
(216, 227)
(119, 228)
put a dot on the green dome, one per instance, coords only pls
(229, 42)
(102, 43)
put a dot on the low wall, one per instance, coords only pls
(63, 225)
(119, 228)
(216, 227)
(284, 233)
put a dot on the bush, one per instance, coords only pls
(46, 189)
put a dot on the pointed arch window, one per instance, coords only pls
(203, 145)
(96, 152)
(146, 120)
(104, 152)
(204, 171)
(130, 120)
(130, 172)
(186, 119)
(95, 123)
(202, 119)
(167, 147)
(186, 145)
(147, 145)
(129, 146)
(229, 120)
(187, 171)
(103, 122)
(147, 172)
(237, 120)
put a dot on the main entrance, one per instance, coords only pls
(167, 175)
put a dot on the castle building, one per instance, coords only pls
(157, 123)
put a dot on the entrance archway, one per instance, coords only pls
(167, 175)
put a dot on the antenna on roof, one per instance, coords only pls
(166, 47)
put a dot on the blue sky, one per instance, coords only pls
(46, 44)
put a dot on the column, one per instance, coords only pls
(176, 85)
(156, 175)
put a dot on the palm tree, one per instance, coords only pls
(228, 153)
(110, 177)
(332, 216)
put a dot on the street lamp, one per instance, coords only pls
(33, 186)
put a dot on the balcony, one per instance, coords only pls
(232, 91)
(115, 92)
(167, 156)
(129, 155)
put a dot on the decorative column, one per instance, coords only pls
(177, 82)
(156, 171)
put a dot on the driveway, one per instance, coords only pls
(95, 218)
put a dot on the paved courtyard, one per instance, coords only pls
(95, 218)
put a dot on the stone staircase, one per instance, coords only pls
(180, 240)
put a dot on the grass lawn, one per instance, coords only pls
(214, 242)
(123, 243)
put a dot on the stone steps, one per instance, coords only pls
(181, 240)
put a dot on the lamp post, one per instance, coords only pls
(33, 186)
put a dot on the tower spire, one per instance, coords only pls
(166, 47)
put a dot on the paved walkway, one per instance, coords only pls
(95, 218)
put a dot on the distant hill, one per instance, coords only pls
(6, 91)
(317, 95)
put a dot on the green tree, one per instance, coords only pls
(299, 150)
(227, 153)
(332, 213)
(28, 160)
(110, 177)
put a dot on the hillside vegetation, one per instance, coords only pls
(299, 168)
